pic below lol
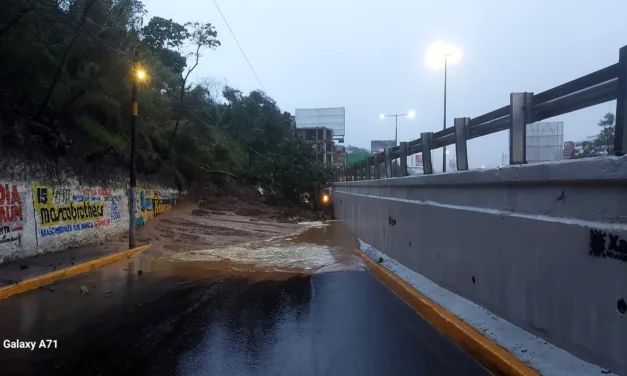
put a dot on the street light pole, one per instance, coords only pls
(133, 167)
(396, 131)
(444, 125)
(410, 114)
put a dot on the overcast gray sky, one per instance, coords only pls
(369, 57)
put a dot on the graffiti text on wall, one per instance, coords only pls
(60, 211)
(607, 245)
(153, 203)
(11, 217)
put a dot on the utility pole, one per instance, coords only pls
(410, 115)
(133, 183)
(444, 126)
(396, 131)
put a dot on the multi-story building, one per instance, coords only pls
(322, 139)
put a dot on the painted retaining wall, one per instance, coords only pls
(543, 246)
(47, 215)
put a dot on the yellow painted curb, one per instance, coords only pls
(491, 355)
(46, 279)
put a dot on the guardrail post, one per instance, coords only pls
(377, 164)
(368, 160)
(388, 163)
(403, 158)
(461, 150)
(362, 168)
(425, 139)
(620, 131)
(520, 105)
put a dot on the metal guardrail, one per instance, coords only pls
(602, 86)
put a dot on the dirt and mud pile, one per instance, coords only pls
(215, 217)
(252, 201)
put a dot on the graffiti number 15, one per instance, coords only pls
(42, 195)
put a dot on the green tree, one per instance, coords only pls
(69, 62)
(603, 144)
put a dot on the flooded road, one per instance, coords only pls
(301, 305)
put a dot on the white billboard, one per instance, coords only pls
(333, 118)
(379, 146)
(545, 141)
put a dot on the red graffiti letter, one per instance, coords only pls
(17, 213)
(15, 199)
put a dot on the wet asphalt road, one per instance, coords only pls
(179, 319)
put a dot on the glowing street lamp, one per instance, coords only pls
(141, 74)
(410, 114)
(439, 54)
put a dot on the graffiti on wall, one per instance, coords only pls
(163, 202)
(151, 203)
(62, 210)
(607, 245)
(11, 214)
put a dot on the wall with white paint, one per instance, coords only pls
(40, 213)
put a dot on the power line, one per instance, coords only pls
(238, 45)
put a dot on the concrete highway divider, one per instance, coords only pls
(48, 278)
(484, 350)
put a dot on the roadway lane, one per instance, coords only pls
(178, 319)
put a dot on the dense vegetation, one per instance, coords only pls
(603, 143)
(65, 92)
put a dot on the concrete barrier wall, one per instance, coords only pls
(41, 215)
(543, 246)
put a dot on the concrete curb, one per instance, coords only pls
(491, 355)
(48, 278)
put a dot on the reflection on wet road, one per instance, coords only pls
(188, 318)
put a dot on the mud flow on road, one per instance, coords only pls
(226, 294)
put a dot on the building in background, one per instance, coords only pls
(322, 140)
(572, 148)
(339, 156)
(331, 118)
(569, 149)
(379, 146)
(322, 127)
(545, 141)
(356, 157)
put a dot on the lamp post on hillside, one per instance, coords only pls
(410, 114)
(138, 75)
(434, 60)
